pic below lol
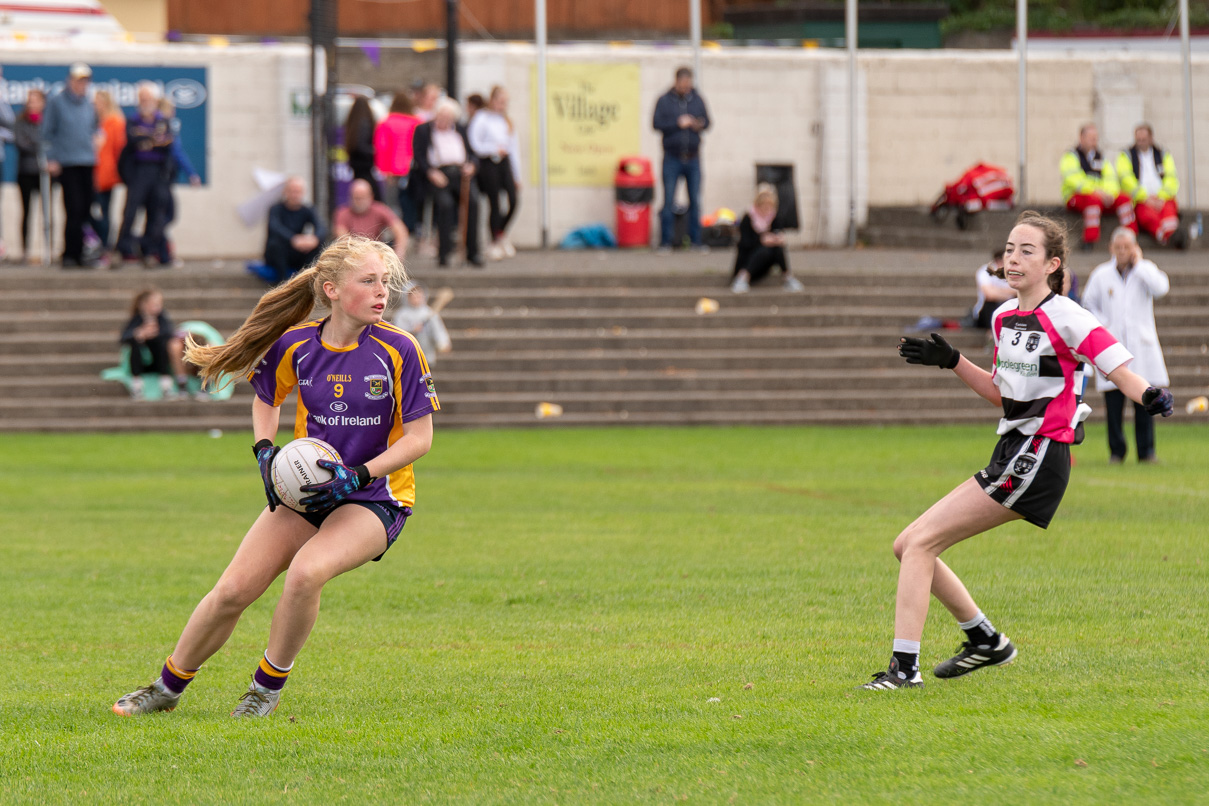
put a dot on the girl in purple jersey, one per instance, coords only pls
(351, 519)
(1041, 340)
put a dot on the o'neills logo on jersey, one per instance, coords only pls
(1025, 368)
(340, 378)
(377, 386)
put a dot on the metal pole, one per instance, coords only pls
(1022, 99)
(323, 81)
(451, 48)
(318, 85)
(694, 24)
(850, 33)
(1189, 142)
(543, 124)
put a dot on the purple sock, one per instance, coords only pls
(269, 676)
(175, 679)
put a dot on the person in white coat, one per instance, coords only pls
(1121, 294)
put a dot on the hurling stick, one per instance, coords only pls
(441, 298)
(463, 214)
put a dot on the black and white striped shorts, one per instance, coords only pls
(1028, 475)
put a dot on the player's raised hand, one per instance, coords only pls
(1158, 401)
(344, 482)
(934, 353)
(266, 452)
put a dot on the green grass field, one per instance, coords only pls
(560, 611)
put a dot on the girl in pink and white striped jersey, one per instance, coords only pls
(1042, 340)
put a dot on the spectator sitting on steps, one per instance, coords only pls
(295, 233)
(993, 290)
(1089, 186)
(761, 247)
(370, 219)
(149, 335)
(1147, 176)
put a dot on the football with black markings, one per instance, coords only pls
(296, 465)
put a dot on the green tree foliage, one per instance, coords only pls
(1070, 15)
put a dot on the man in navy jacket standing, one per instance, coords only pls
(680, 114)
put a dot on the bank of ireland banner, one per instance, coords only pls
(594, 121)
(184, 86)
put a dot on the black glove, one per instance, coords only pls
(1158, 401)
(934, 353)
(265, 452)
(344, 482)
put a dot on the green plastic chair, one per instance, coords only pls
(151, 385)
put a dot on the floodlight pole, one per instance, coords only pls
(543, 124)
(850, 33)
(1189, 142)
(1022, 99)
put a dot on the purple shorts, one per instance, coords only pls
(392, 517)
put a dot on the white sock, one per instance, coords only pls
(908, 647)
(276, 666)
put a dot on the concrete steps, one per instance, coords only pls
(915, 228)
(612, 338)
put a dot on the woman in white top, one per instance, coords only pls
(493, 138)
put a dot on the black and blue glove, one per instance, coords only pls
(266, 452)
(344, 482)
(934, 353)
(1158, 401)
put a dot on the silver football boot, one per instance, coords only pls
(257, 701)
(146, 700)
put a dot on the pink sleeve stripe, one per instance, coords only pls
(1096, 342)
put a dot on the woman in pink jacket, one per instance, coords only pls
(392, 156)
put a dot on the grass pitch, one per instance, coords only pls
(611, 616)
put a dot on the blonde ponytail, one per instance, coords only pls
(289, 304)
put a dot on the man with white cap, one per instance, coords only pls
(68, 130)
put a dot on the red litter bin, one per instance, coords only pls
(635, 185)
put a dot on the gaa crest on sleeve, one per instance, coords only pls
(377, 386)
(430, 387)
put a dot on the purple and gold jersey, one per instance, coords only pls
(357, 399)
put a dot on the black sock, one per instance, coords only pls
(908, 663)
(980, 631)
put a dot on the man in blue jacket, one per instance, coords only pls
(680, 114)
(68, 129)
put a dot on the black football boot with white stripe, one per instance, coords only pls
(893, 678)
(971, 657)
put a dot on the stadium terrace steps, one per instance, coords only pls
(915, 228)
(612, 338)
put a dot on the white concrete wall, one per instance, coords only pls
(765, 106)
(923, 118)
(249, 127)
(932, 114)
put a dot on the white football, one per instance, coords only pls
(297, 464)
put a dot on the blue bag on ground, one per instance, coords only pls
(592, 236)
